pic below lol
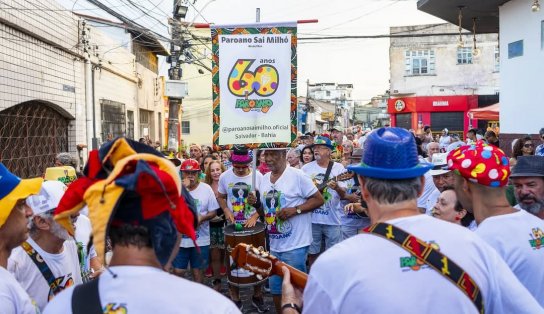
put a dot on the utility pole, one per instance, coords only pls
(175, 73)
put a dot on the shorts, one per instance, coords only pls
(296, 258)
(349, 231)
(190, 256)
(332, 234)
(217, 238)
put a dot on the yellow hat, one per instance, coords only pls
(13, 189)
(64, 174)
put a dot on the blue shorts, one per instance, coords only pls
(190, 256)
(332, 234)
(349, 231)
(296, 258)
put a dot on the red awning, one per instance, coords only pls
(485, 113)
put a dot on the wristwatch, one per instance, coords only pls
(298, 210)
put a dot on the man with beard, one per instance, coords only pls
(481, 173)
(528, 180)
(14, 215)
(393, 256)
(47, 262)
(326, 220)
(288, 197)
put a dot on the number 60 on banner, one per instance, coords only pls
(243, 82)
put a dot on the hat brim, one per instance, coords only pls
(240, 162)
(328, 146)
(526, 174)
(175, 161)
(388, 173)
(438, 172)
(24, 189)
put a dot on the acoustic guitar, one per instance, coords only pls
(263, 264)
(341, 177)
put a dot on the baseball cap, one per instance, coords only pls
(48, 198)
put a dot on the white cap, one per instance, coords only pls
(439, 161)
(48, 198)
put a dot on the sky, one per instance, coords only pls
(361, 62)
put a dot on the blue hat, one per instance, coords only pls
(390, 153)
(322, 140)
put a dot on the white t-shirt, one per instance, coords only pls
(82, 236)
(291, 189)
(519, 240)
(444, 142)
(428, 189)
(144, 289)
(331, 211)
(386, 279)
(237, 190)
(64, 266)
(205, 202)
(351, 219)
(13, 298)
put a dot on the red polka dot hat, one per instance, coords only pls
(480, 163)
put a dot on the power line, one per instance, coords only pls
(381, 36)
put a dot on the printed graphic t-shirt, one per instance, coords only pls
(237, 190)
(13, 298)
(205, 202)
(144, 290)
(64, 266)
(331, 211)
(291, 189)
(384, 269)
(519, 240)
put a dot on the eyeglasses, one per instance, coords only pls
(528, 145)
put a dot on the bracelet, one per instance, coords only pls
(291, 306)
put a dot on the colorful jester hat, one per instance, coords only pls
(126, 182)
(480, 163)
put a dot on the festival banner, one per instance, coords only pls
(254, 85)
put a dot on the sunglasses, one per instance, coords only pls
(528, 145)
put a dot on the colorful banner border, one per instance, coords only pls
(215, 82)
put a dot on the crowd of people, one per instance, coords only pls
(438, 222)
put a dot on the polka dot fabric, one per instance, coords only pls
(480, 163)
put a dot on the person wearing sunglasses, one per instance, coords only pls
(523, 147)
(539, 151)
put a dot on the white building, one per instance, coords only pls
(47, 59)
(521, 56)
(436, 79)
(336, 94)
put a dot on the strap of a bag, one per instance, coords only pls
(328, 172)
(42, 266)
(86, 298)
(432, 257)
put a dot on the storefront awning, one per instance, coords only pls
(485, 113)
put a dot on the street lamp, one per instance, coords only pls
(536, 6)
(180, 9)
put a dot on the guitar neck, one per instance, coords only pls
(298, 278)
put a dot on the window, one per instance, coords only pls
(497, 59)
(112, 114)
(185, 127)
(464, 55)
(419, 62)
(328, 93)
(130, 124)
(147, 125)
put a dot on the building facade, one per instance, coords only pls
(57, 69)
(521, 27)
(436, 79)
(337, 94)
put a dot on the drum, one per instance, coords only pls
(255, 236)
